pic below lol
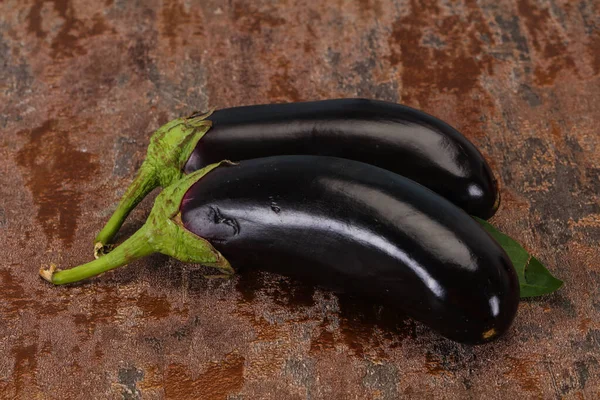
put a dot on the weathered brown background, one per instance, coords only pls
(84, 83)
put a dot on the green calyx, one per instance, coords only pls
(169, 149)
(163, 233)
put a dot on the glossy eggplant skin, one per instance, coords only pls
(355, 227)
(388, 135)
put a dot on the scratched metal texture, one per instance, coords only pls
(84, 83)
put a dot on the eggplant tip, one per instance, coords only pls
(48, 273)
(487, 335)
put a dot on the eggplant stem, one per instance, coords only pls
(163, 233)
(144, 182)
(169, 149)
(135, 247)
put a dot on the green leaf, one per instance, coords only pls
(534, 278)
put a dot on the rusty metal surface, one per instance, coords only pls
(84, 83)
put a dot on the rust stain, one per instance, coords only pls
(557, 136)
(535, 20)
(370, 5)
(34, 19)
(524, 373)
(55, 172)
(66, 42)
(358, 336)
(98, 352)
(559, 60)
(282, 84)
(25, 368)
(98, 27)
(17, 299)
(441, 54)
(251, 20)
(46, 348)
(175, 18)
(547, 42)
(103, 308)
(513, 201)
(266, 331)
(162, 118)
(218, 381)
(594, 51)
(308, 45)
(154, 307)
(453, 62)
(289, 293)
(153, 377)
(584, 325)
(268, 362)
(14, 297)
(324, 341)
(434, 365)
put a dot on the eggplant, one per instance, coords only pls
(391, 136)
(336, 223)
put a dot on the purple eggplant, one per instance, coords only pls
(337, 223)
